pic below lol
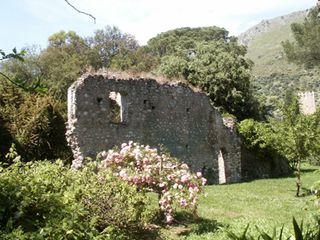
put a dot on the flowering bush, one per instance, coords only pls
(150, 171)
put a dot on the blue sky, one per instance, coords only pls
(27, 22)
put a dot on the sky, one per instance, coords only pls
(30, 22)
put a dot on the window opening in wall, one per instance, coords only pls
(117, 106)
(99, 100)
(221, 165)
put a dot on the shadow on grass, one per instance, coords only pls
(197, 225)
(305, 192)
(149, 234)
(308, 170)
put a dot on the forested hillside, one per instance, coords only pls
(272, 73)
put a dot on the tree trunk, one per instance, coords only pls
(298, 183)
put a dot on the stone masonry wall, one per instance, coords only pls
(105, 112)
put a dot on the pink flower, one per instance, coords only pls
(123, 145)
(183, 202)
(204, 181)
(135, 179)
(185, 178)
(169, 219)
(140, 165)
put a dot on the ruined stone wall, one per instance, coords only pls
(104, 113)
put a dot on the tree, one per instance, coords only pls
(297, 136)
(25, 84)
(294, 136)
(221, 70)
(135, 60)
(63, 61)
(107, 43)
(184, 39)
(208, 58)
(305, 50)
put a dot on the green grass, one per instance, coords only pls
(267, 203)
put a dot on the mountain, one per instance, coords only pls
(272, 74)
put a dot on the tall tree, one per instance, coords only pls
(294, 136)
(221, 70)
(63, 61)
(184, 39)
(210, 59)
(297, 136)
(107, 43)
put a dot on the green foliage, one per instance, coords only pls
(209, 59)
(265, 203)
(221, 70)
(305, 49)
(295, 136)
(184, 39)
(107, 43)
(257, 135)
(34, 123)
(272, 73)
(63, 61)
(135, 60)
(173, 66)
(43, 200)
(26, 85)
(299, 233)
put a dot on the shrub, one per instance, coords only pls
(143, 167)
(39, 127)
(43, 200)
(299, 233)
(34, 123)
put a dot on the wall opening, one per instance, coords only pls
(221, 165)
(117, 107)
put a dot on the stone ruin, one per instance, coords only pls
(307, 103)
(104, 112)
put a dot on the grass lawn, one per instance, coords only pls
(266, 203)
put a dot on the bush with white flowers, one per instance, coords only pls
(151, 171)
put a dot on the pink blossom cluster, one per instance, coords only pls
(150, 171)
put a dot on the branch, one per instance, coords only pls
(88, 14)
(10, 80)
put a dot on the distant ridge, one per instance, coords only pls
(265, 25)
(272, 74)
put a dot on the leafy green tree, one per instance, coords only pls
(63, 61)
(305, 50)
(184, 39)
(22, 83)
(136, 60)
(208, 58)
(174, 66)
(221, 70)
(106, 43)
(294, 136)
(297, 136)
